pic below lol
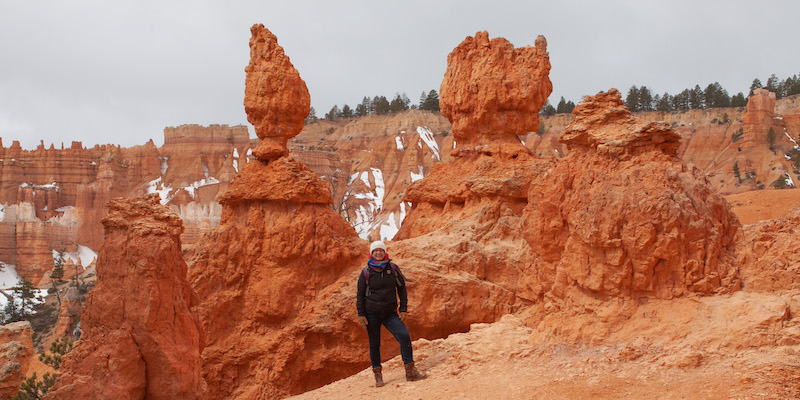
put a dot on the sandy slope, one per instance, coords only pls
(759, 205)
(507, 360)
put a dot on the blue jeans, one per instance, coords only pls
(396, 327)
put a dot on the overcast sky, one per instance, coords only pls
(119, 72)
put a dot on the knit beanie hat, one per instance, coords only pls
(376, 245)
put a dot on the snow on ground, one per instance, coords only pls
(427, 136)
(202, 182)
(249, 152)
(164, 164)
(789, 180)
(454, 143)
(796, 146)
(8, 276)
(399, 142)
(64, 209)
(236, 159)
(163, 192)
(8, 279)
(84, 256)
(366, 215)
(2, 211)
(416, 177)
(388, 229)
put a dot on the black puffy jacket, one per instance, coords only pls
(383, 291)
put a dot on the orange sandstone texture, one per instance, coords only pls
(275, 97)
(770, 254)
(140, 339)
(623, 216)
(16, 353)
(492, 89)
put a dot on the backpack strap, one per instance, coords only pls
(365, 272)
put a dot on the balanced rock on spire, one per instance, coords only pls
(276, 99)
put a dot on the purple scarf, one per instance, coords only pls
(378, 265)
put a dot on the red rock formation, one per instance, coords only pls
(276, 98)
(16, 353)
(758, 118)
(492, 89)
(770, 254)
(278, 253)
(138, 314)
(623, 216)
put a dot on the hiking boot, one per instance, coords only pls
(378, 377)
(412, 374)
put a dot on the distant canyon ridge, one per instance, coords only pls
(53, 198)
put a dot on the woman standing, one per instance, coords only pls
(379, 286)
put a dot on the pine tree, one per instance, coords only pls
(310, 119)
(35, 389)
(58, 348)
(432, 101)
(334, 113)
(772, 84)
(665, 103)
(24, 294)
(380, 105)
(696, 98)
(547, 110)
(562, 104)
(736, 171)
(755, 85)
(570, 106)
(632, 100)
(738, 100)
(58, 264)
(771, 138)
(645, 99)
(347, 112)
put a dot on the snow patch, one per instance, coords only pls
(10, 278)
(84, 256)
(365, 215)
(163, 192)
(249, 152)
(198, 184)
(236, 159)
(389, 229)
(796, 146)
(64, 209)
(427, 136)
(2, 211)
(789, 181)
(399, 142)
(416, 177)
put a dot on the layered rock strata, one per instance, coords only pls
(139, 337)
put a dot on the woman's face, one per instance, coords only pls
(378, 254)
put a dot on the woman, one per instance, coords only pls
(379, 285)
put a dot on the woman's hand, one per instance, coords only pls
(362, 320)
(403, 316)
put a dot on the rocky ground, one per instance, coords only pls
(506, 360)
